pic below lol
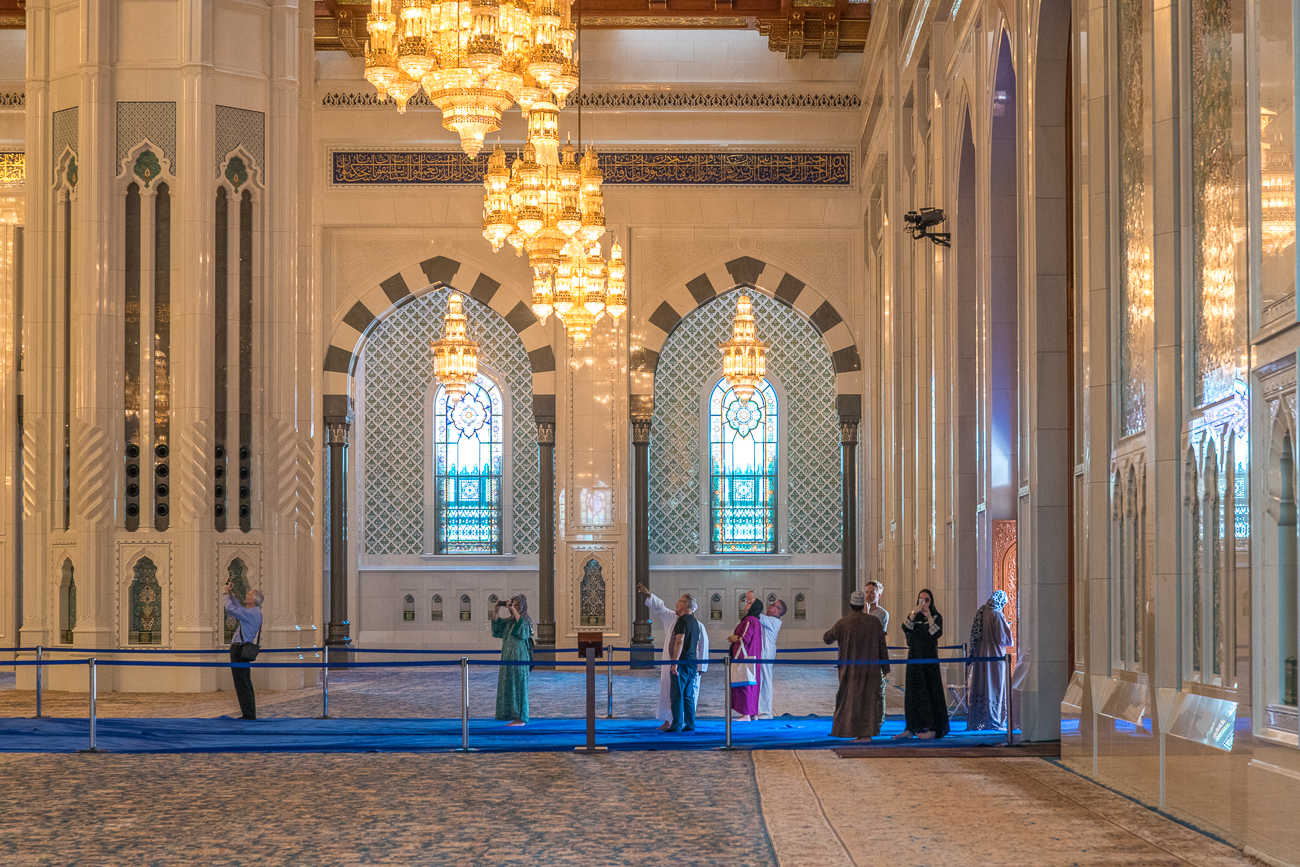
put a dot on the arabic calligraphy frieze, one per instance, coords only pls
(665, 168)
(13, 168)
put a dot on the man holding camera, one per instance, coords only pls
(249, 618)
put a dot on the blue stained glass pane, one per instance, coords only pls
(742, 449)
(467, 461)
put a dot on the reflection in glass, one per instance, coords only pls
(1137, 281)
(1283, 688)
(1217, 172)
(1276, 68)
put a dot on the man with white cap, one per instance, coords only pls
(858, 706)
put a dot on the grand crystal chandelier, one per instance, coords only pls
(744, 356)
(455, 356)
(474, 58)
(549, 204)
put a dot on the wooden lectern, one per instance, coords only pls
(591, 646)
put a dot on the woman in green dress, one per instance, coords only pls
(515, 629)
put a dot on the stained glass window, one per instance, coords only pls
(67, 603)
(593, 594)
(742, 469)
(239, 590)
(467, 441)
(146, 605)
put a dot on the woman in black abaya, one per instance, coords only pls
(925, 706)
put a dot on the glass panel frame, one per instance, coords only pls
(743, 468)
(469, 453)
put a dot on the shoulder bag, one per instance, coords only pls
(249, 649)
(743, 670)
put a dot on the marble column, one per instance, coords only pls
(337, 631)
(849, 510)
(641, 636)
(546, 543)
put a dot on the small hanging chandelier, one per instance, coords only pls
(744, 356)
(455, 356)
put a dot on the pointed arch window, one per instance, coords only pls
(742, 470)
(237, 574)
(468, 457)
(67, 603)
(146, 604)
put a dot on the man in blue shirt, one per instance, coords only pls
(249, 617)
(685, 683)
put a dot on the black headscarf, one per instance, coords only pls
(755, 609)
(934, 612)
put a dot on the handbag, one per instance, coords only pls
(248, 650)
(743, 673)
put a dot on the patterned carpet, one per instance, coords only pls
(248, 810)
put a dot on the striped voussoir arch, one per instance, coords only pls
(658, 321)
(381, 300)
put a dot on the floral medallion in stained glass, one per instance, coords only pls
(467, 465)
(742, 470)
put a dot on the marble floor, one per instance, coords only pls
(779, 808)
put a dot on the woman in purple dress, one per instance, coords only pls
(746, 641)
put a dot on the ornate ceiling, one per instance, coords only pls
(797, 28)
(13, 14)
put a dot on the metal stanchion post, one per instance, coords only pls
(325, 686)
(609, 682)
(464, 704)
(1006, 663)
(726, 694)
(93, 690)
(39, 650)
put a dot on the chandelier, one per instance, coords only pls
(744, 356)
(474, 58)
(455, 356)
(549, 204)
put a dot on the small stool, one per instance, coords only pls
(958, 702)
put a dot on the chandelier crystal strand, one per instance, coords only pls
(744, 356)
(616, 296)
(455, 356)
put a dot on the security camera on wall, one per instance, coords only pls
(919, 223)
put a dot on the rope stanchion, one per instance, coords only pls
(464, 704)
(325, 687)
(1006, 661)
(93, 690)
(38, 681)
(726, 693)
(609, 682)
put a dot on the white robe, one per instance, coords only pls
(771, 626)
(668, 618)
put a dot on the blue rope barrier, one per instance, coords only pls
(176, 651)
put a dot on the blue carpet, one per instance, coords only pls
(432, 735)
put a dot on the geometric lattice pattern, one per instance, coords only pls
(238, 127)
(155, 121)
(688, 367)
(65, 131)
(398, 373)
